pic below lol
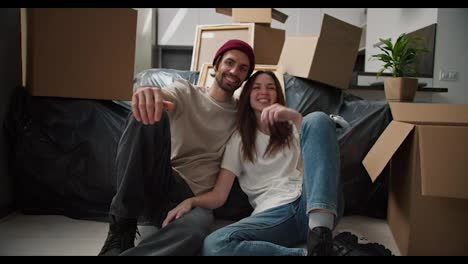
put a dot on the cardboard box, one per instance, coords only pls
(267, 42)
(254, 15)
(81, 52)
(428, 196)
(328, 58)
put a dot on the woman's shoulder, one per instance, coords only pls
(235, 136)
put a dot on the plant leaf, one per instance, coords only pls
(400, 56)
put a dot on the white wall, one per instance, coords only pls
(451, 54)
(144, 39)
(300, 22)
(176, 26)
(390, 23)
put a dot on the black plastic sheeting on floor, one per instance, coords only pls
(63, 150)
(63, 153)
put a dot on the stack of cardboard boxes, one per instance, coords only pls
(328, 58)
(251, 25)
(427, 145)
(90, 52)
(79, 52)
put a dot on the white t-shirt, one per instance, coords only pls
(268, 182)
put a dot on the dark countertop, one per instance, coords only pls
(381, 88)
(385, 74)
(377, 87)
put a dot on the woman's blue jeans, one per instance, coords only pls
(278, 230)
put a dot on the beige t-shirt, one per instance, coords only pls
(270, 181)
(200, 129)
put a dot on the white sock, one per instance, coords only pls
(321, 219)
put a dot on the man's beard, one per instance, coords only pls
(226, 87)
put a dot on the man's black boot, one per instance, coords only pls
(319, 242)
(121, 236)
(346, 244)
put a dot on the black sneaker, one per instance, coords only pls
(319, 242)
(121, 236)
(346, 244)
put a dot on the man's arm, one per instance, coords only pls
(211, 200)
(149, 102)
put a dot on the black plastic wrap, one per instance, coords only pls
(368, 119)
(63, 153)
(64, 149)
(163, 77)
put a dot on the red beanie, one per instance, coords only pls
(238, 45)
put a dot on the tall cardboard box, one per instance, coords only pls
(428, 197)
(253, 15)
(267, 42)
(80, 52)
(328, 58)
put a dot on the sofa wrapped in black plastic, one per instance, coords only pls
(62, 150)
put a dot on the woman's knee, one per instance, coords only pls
(316, 120)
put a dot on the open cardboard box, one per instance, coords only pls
(267, 42)
(328, 58)
(79, 52)
(428, 197)
(253, 15)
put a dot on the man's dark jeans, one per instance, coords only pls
(147, 189)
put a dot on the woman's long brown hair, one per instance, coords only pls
(280, 132)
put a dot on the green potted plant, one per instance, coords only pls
(399, 58)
